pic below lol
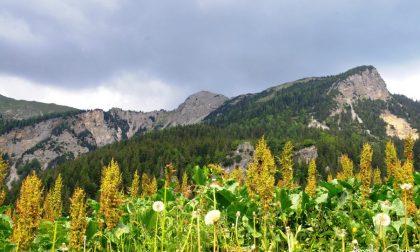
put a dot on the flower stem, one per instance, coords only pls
(156, 230)
(407, 245)
(54, 237)
(198, 233)
(163, 219)
(236, 231)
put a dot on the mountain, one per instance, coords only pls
(49, 142)
(323, 116)
(11, 109)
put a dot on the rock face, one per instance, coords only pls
(65, 138)
(242, 156)
(366, 84)
(398, 127)
(305, 155)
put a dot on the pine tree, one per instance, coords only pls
(111, 196)
(133, 190)
(260, 174)
(366, 169)
(391, 160)
(28, 211)
(53, 203)
(311, 183)
(286, 165)
(78, 221)
(3, 172)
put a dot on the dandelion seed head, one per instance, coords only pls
(382, 219)
(158, 206)
(212, 217)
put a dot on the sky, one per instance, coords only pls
(144, 55)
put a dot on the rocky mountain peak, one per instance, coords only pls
(197, 106)
(359, 83)
(362, 83)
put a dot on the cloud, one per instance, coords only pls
(133, 91)
(15, 30)
(403, 79)
(229, 47)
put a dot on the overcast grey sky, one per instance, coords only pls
(145, 55)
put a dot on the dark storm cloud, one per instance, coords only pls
(224, 46)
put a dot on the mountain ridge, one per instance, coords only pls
(305, 105)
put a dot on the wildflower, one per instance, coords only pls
(78, 222)
(148, 185)
(63, 247)
(406, 187)
(158, 206)
(253, 247)
(238, 214)
(286, 168)
(366, 170)
(52, 203)
(347, 166)
(354, 230)
(260, 174)
(311, 184)
(382, 220)
(341, 233)
(28, 211)
(3, 172)
(386, 205)
(212, 217)
(391, 160)
(134, 188)
(111, 196)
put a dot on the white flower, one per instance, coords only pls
(382, 219)
(386, 205)
(158, 206)
(341, 233)
(253, 247)
(406, 187)
(212, 217)
(238, 214)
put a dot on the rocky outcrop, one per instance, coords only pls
(365, 84)
(63, 138)
(398, 127)
(305, 155)
(241, 156)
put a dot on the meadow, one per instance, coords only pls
(260, 209)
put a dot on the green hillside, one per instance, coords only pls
(11, 109)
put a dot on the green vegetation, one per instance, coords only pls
(211, 210)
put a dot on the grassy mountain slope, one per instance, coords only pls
(12, 109)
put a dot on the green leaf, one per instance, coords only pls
(417, 178)
(332, 189)
(322, 198)
(398, 207)
(199, 177)
(285, 202)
